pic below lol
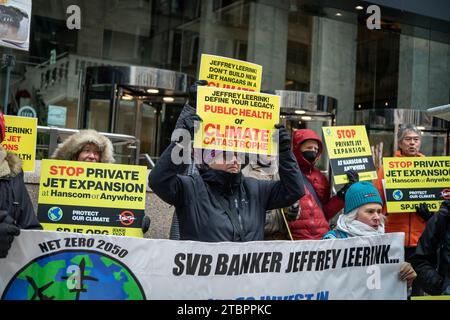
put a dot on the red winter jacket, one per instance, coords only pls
(313, 222)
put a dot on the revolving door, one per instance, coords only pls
(137, 101)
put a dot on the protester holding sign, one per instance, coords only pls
(412, 224)
(16, 209)
(363, 216)
(86, 145)
(220, 204)
(432, 255)
(316, 207)
(90, 146)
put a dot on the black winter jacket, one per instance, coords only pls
(203, 218)
(13, 190)
(431, 260)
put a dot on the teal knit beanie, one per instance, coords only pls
(361, 193)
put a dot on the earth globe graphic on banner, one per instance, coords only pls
(74, 275)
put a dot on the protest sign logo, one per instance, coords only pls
(445, 194)
(55, 214)
(74, 275)
(397, 195)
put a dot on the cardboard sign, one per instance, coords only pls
(230, 73)
(413, 180)
(20, 139)
(88, 197)
(349, 149)
(237, 120)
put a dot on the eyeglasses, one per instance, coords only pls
(409, 139)
(90, 150)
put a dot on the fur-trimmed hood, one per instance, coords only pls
(10, 164)
(71, 147)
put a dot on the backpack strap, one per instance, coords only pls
(312, 190)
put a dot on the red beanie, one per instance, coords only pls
(2, 127)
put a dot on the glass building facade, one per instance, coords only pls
(324, 47)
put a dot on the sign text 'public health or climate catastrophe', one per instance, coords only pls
(237, 120)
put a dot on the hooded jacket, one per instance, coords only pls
(13, 190)
(199, 199)
(72, 146)
(409, 223)
(313, 221)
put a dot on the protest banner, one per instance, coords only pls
(409, 181)
(349, 149)
(430, 297)
(15, 24)
(55, 265)
(88, 197)
(237, 120)
(227, 73)
(20, 139)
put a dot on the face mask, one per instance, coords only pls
(309, 155)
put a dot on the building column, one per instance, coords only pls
(333, 64)
(424, 72)
(267, 41)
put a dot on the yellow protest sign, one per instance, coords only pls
(230, 73)
(430, 297)
(349, 149)
(88, 197)
(237, 120)
(413, 180)
(20, 139)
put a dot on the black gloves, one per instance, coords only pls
(7, 232)
(293, 212)
(189, 123)
(423, 211)
(284, 139)
(193, 92)
(353, 177)
(145, 224)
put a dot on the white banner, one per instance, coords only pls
(56, 265)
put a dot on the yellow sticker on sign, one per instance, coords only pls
(227, 73)
(92, 196)
(20, 139)
(413, 180)
(237, 121)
